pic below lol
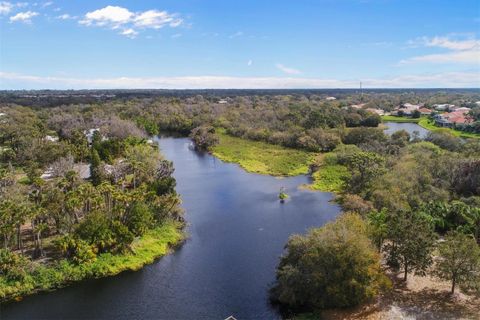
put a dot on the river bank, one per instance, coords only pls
(261, 157)
(428, 124)
(269, 159)
(237, 229)
(46, 277)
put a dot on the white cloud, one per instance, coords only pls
(459, 51)
(24, 16)
(66, 16)
(5, 7)
(442, 80)
(287, 70)
(236, 34)
(130, 33)
(156, 19)
(115, 17)
(47, 4)
(249, 62)
(111, 16)
(176, 35)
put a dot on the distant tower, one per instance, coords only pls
(361, 91)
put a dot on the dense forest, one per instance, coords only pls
(411, 205)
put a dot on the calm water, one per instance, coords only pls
(237, 232)
(409, 127)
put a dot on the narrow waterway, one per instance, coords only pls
(237, 231)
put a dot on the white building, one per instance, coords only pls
(50, 138)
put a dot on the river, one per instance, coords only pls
(237, 230)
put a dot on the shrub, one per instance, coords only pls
(204, 137)
(139, 219)
(12, 265)
(333, 266)
(77, 250)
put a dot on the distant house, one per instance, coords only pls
(463, 109)
(380, 112)
(222, 101)
(89, 134)
(407, 109)
(50, 138)
(358, 106)
(443, 107)
(82, 169)
(330, 98)
(425, 111)
(450, 119)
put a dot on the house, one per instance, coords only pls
(443, 107)
(358, 106)
(463, 109)
(50, 138)
(82, 169)
(330, 98)
(407, 109)
(380, 112)
(89, 134)
(450, 119)
(425, 111)
(222, 101)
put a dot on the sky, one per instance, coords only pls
(81, 44)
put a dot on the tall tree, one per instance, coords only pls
(459, 259)
(411, 243)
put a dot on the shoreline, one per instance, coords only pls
(153, 245)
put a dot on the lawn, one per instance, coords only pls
(263, 158)
(430, 125)
(400, 119)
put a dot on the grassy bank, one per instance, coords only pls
(329, 178)
(154, 244)
(400, 119)
(430, 125)
(264, 158)
(261, 157)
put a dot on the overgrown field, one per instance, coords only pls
(263, 158)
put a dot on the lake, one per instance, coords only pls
(237, 231)
(407, 126)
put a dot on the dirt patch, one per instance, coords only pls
(420, 298)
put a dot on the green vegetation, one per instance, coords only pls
(282, 195)
(332, 266)
(261, 157)
(329, 178)
(144, 250)
(94, 202)
(400, 119)
(459, 260)
(430, 125)
(404, 192)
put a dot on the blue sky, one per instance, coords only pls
(239, 44)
